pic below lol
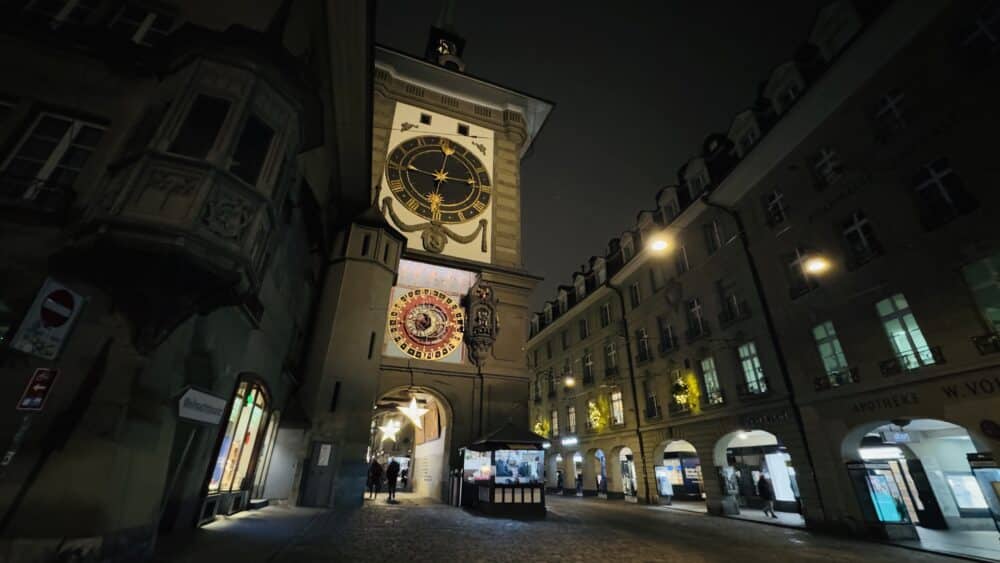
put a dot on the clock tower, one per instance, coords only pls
(447, 148)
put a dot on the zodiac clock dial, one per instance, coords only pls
(438, 179)
(426, 324)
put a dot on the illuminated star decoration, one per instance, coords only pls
(389, 430)
(414, 413)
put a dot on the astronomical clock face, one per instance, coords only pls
(426, 324)
(438, 179)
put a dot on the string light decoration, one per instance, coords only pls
(542, 427)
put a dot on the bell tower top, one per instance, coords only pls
(445, 45)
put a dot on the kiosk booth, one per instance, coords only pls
(504, 473)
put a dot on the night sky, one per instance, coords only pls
(637, 87)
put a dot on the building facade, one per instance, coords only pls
(176, 199)
(841, 226)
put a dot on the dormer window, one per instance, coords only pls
(628, 249)
(548, 314)
(748, 140)
(602, 274)
(563, 303)
(697, 183)
(789, 94)
(581, 288)
(669, 212)
(534, 331)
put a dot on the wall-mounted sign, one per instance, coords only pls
(48, 321)
(323, 459)
(37, 390)
(199, 406)
(896, 437)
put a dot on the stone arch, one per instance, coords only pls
(438, 451)
(851, 443)
(615, 469)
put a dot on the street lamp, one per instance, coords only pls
(569, 380)
(817, 265)
(659, 243)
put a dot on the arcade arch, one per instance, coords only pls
(742, 458)
(678, 473)
(925, 479)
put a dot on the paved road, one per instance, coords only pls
(583, 530)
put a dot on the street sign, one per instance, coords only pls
(48, 321)
(37, 390)
(199, 406)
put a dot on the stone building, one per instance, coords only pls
(841, 226)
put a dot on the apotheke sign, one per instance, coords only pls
(199, 406)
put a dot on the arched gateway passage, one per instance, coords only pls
(412, 426)
(926, 480)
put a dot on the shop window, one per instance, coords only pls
(140, 25)
(903, 332)
(49, 157)
(244, 431)
(617, 408)
(201, 127)
(252, 150)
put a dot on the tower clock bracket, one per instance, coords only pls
(433, 234)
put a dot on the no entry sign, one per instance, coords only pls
(37, 390)
(48, 321)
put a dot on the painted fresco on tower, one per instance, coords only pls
(437, 186)
(426, 319)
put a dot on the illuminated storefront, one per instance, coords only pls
(243, 453)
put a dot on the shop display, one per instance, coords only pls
(518, 466)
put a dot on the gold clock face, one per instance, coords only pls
(438, 179)
(426, 324)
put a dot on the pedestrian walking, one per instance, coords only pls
(766, 492)
(391, 473)
(374, 479)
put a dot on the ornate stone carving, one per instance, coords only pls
(480, 146)
(227, 215)
(170, 185)
(482, 321)
(433, 234)
(406, 126)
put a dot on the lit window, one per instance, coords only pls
(555, 423)
(983, 278)
(904, 334)
(571, 419)
(753, 374)
(49, 157)
(617, 408)
(247, 418)
(830, 352)
(713, 392)
(602, 275)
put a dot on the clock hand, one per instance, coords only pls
(415, 169)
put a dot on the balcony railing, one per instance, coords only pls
(987, 343)
(757, 388)
(836, 379)
(695, 333)
(912, 361)
(652, 411)
(588, 377)
(733, 314)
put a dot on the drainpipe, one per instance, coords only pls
(775, 341)
(635, 395)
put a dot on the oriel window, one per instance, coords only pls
(201, 126)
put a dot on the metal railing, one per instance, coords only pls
(912, 361)
(987, 343)
(754, 389)
(836, 379)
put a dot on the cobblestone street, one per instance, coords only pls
(575, 530)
